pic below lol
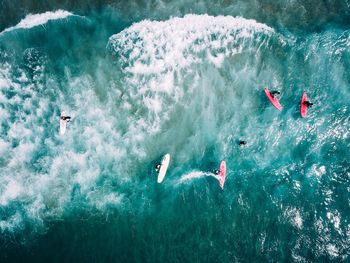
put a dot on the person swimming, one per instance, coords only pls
(157, 168)
(241, 143)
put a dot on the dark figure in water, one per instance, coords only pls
(216, 171)
(308, 103)
(241, 143)
(66, 118)
(274, 92)
(157, 168)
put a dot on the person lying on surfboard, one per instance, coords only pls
(308, 103)
(274, 92)
(66, 118)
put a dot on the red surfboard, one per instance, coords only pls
(273, 100)
(222, 174)
(303, 107)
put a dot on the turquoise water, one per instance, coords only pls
(141, 79)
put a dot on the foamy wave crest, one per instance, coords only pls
(152, 47)
(39, 19)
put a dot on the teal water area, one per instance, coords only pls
(141, 79)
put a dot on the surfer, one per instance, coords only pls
(66, 118)
(157, 168)
(271, 96)
(274, 92)
(241, 143)
(216, 171)
(308, 104)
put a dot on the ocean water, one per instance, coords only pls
(145, 78)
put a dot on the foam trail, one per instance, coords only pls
(196, 175)
(39, 19)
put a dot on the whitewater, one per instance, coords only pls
(189, 83)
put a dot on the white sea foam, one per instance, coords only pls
(332, 250)
(20, 138)
(294, 216)
(12, 223)
(12, 190)
(297, 185)
(318, 171)
(196, 175)
(4, 146)
(39, 19)
(110, 199)
(335, 219)
(150, 47)
(3, 83)
(216, 60)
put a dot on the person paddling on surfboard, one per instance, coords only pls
(271, 96)
(65, 118)
(162, 168)
(220, 175)
(308, 104)
(274, 92)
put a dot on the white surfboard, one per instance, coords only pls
(63, 124)
(163, 168)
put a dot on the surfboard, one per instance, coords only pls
(303, 108)
(273, 100)
(163, 168)
(63, 124)
(222, 174)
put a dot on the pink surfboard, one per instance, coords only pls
(303, 107)
(222, 174)
(273, 100)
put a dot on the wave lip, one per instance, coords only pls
(39, 19)
(152, 47)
